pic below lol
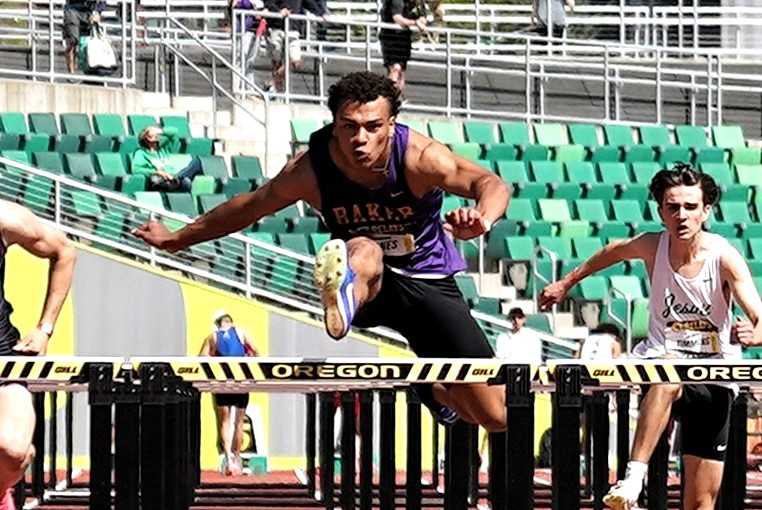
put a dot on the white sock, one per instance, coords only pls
(636, 471)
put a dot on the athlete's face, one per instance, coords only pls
(226, 323)
(683, 211)
(364, 131)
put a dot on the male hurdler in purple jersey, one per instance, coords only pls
(408, 228)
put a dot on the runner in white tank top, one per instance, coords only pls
(695, 276)
(689, 317)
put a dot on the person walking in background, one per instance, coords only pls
(78, 17)
(228, 340)
(396, 45)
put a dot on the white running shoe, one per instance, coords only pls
(335, 280)
(623, 496)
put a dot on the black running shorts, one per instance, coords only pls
(240, 400)
(704, 414)
(430, 313)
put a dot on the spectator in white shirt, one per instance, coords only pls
(520, 345)
(604, 342)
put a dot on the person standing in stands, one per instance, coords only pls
(396, 44)
(151, 160)
(521, 345)
(17, 418)
(228, 340)
(78, 17)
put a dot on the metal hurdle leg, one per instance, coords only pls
(388, 470)
(153, 436)
(622, 432)
(657, 474)
(69, 419)
(413, 470)
(326, 449)
(366, 450)
(53, 435)
(127, 439)
(498, 475)
(100, 396)
(348, 450)
(733, 492)
(473, 472)
(38, 440)
(173, 425)
(434, 454)
(519, 444)
(309, 441)
(194, 466)
(457, 463)
(567, 404)
(598, 432)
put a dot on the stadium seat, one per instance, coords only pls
(208, 202)
(560, 246)
(613, 173)
(446, 131)
(468, 150)
(691, 136)
(38, 194)
(182, 203)
(728, 137)
(550, 134)
(539, 322)
(98, 143)
(150, 198)
(554, 210)
(630, 286)
(628, 211)
(203, 185)
(496, 247)
(133, 183)
(305, 224)
(272, 224)
(302, 129)
(50, 161)
(179, 122)
(83, 203)
(618, 135)
(514, 172)
(235, 186)
(643, 171)
(501, 152)
(43, 123)
(137, 123)
(480, 132)
(199, 146)
(584, 134)
(294, 242)
(317, 240)
(585, 247)
(745, 156)
(580, 172)
(76, 124)
(66, 144)
(109, 124)
(13, 123)
(749, 174)
(214, 166)
(467, 287)
(80, 166)
(110, 163)
(248, 167)
(640, 152)
(519, 248)
(547, 172)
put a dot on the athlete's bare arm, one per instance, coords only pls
(295, 182)
(206, 346)
(434, 166)
(20, 226)
(642, 247)
(736, 273)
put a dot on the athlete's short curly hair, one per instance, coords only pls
(683, 174)
(363, 87)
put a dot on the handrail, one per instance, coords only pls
(262, 94)
(626, 323)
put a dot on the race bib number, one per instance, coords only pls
(696, 342)
(396, 245)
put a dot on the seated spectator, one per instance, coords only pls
(156, 145)
(604, 342)
(521, 345)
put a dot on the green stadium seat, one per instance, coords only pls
(720, 172)
(417, 125)
(127, 145)
(38, 194)
(655, 136)
(467, 287)
(591, 210)
(294, 242)
(208, 202)
(446, 131)
(450, 203)
(639, 318)
(521, 209)
(203, 185)
(533, 190)
(580, 172)
(739, 244)
(13, 123)
(709, 155)
(248, 167)
(199, 146)
(110, 163)
(480, 132)
(515, 133)
(235, 186)
(138, 123)
(84, 203)
(628, 211)
(641, 152)
(561, 246)
(111, 226)
(630, 286)
(66, 144)
(637, 268)
(728, 137)
(50, 161)
(567, 190)
(606, 153)
(80, 166)
(317, 240)
(745, 156)
(97, 143)
(635, 192)
(10, 142)
(133, 183)
(691, 136)
(36, 142)
(547, 172)
(618, 135)
(305, 224)
(539, 322)
(550, 134)
(554, 210)
(302, 129)
(613, 173)
(214, 166)
(109, 124)
(519, 248)
(585, 247)
(496, 247)
(292, 211)
(182, 203)
(273, 224)
(488, 305)
(593, 288)
(755, 249)
(735, 212)
(584, 134)
(500, 152)
(602, 191)
(43, 123)
(151, 199)
(75, 124)
(179, 122)
(644, 171)
(514, 172)
(647, 227)
(749, 174)
(470, 150)
(569, 153)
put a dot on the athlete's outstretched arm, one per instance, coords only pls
(20, 226)
(295, 182)
(642, 247)
(441, 168)
(736, 273)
